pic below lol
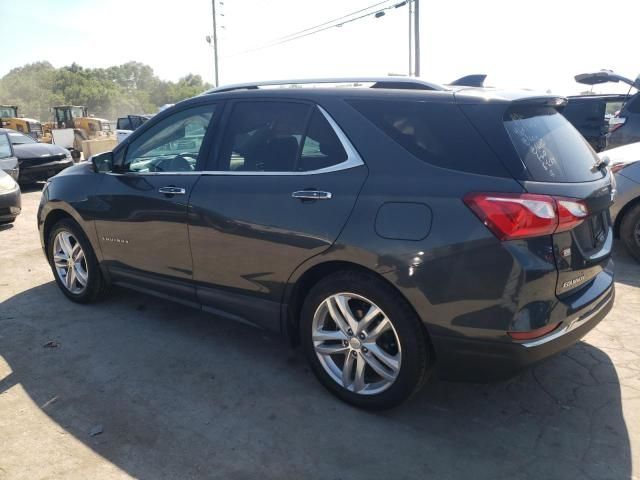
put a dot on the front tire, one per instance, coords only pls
(74, 264)
(630, 231)
(363, 341)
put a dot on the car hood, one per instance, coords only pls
(82, 168)
(625, 154)
(37, 150)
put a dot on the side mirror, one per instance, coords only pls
(103, 162)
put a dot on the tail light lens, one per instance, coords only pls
(523, 215)
(571, 213)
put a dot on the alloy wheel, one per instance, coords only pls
(70, 262)
(356, 343)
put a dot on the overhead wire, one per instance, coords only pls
(325, 26)
(333, 21)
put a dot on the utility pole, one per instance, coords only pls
(215, 43)
(416, 38)
(410, 36)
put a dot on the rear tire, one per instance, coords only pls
(74, 264)
(372, 360)
(630, 231)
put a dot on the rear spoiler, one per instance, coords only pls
(474, 80)
(557, 102)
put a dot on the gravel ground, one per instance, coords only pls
(139, 387)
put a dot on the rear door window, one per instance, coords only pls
(270, 136)
(263, 136)
(321, 148)
(436, 133)
(549, 146)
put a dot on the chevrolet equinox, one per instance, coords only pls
(392, 228)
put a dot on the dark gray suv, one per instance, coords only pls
(392, 230)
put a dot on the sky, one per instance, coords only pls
(536, 44)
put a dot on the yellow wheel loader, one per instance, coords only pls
(85, 127)
(9, 119)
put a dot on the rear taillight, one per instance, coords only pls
(523, 215)
(571, 213)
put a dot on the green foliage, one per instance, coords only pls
(107, 92)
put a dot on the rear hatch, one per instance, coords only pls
(549, 157)
(561, 163)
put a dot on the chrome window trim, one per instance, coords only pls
(353, 160)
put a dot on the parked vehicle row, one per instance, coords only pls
(392, 231)
(27, 160)
(10, 202)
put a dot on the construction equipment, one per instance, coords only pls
(9, 119)
(85, 127)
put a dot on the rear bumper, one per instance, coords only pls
(460, 358)
(44, 171)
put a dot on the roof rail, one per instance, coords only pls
(407, 83)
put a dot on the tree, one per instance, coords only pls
(106, 92)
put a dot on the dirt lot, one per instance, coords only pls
(177, 393)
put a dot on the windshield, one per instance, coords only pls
(19, 139)
(549, 146)
(8, 112)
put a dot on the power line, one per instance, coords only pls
(332, 21)
(290, 38)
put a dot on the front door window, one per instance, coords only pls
(172, 145)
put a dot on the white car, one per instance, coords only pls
(624, 162)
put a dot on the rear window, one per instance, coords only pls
(124, 124)
(549, 146)
(436, 133)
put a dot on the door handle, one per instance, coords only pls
(172, 190)
(311, 195)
